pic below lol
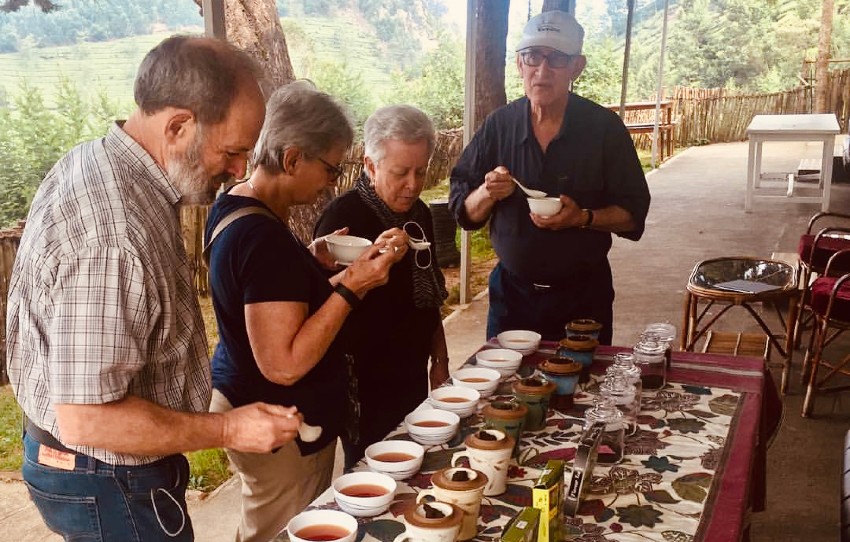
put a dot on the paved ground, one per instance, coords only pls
(697, 213)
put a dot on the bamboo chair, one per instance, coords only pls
(829, 303)
(814, 250)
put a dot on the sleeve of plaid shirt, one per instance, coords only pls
(99, 332)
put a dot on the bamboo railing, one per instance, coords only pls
(9, 241)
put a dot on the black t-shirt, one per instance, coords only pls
(254, 260)
(592, 160)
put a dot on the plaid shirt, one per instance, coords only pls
(101, 302)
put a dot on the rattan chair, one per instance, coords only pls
(815, 248)
(829, 303)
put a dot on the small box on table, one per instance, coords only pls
(523, 527)
(547, 496)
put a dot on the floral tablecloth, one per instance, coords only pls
(687, 474)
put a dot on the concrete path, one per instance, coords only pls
(697, 213)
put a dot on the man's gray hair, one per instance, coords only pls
(200, 74)
(299, 115)
(396, 122)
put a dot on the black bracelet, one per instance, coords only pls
(347, 295)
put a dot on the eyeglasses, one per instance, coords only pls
(535, 58)
(334, 171)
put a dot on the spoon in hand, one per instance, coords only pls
(530, 192)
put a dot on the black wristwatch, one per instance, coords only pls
(589, 221)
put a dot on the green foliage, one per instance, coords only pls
(34, 136)
(347, 85)
(208, 469)
(11, 448)
(436, 84)
(600, 80)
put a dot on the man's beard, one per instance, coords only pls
(188, 175)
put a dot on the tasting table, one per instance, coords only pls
(693, 471)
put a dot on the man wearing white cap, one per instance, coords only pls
(552, 269)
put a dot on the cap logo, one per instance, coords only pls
(548, 28)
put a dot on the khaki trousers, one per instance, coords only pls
(276, 487)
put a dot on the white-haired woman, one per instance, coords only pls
(278, 314)
(392, 364)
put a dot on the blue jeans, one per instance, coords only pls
(101, 502)
(519, 304)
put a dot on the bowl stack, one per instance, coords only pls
(503, 360)
(364, 494)
(458, 399)
(523, 341)
(431, 426)
(482, 379)
(398, 459)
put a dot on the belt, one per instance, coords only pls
(43, 437)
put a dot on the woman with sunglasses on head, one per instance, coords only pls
(398, 327)
(278, 314)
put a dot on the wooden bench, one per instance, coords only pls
(737, 344)
(640, 119)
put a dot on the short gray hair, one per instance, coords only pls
(396, 122)
(300, 115)
(200, 74)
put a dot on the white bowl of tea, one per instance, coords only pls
(504, 360)
(431, 426)
(458, 399)
(322, 526)
(364, 494)
(398, 459)
(521, 340)
(482, 379)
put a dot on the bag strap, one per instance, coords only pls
(230, 219)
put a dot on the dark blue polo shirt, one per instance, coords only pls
(592, 160)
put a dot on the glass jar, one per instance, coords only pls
(666, 333)
(649, 358)
(617, 387)
(612, 441)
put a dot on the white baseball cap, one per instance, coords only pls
(554, 29)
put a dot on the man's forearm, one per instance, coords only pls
(136, 426)
(613, 219)
(479, 204)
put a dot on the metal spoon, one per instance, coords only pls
(530, 192)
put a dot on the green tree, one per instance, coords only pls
(338, 80)
(436, 84)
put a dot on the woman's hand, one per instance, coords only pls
(372, 268)
(319, 249)
(395, 240)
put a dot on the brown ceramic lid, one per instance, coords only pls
(579, 343)
(505, 410)
(415, 515)
(560, 366)
(584, 325)
(502, 440)
(527, 386)
(443, 479)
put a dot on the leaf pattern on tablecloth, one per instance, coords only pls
(725, 404)
(693, 487)
(655, 493)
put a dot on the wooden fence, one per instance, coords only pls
(9, 241)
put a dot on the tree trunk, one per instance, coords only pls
(491, 20)
(561, 5)
(822, 66)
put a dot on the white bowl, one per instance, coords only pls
(482, 379)
(346, 248)
(504, 360)
(322, 520)
(521, 340)
(397, 468)
(458, 399)
(376, 493)
(432, 434)
(545, 207)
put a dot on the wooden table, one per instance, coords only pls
(640, 119)
(694, 469)
(818, 127)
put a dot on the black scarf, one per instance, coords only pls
(429, 285)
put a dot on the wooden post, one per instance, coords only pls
(214, 19)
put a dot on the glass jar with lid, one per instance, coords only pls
(624, 362)
(666, 333)
(612, 441)
(622, 392)
(649, 358)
